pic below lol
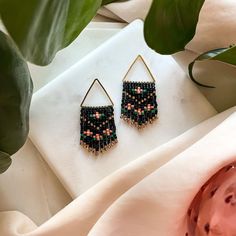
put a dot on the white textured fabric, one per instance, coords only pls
(55, 110)
(146, 196)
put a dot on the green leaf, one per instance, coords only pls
(41, 28)
(105, 2)
(225, 55)
(5, 162)
(171, 24)
(15, 96)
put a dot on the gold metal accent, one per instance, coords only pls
(148, 69)
(96, 80)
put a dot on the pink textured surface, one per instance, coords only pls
(213, 210)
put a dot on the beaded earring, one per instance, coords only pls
(97, 125)
(139, 105)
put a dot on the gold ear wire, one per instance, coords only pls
(148, 69)
(96, 80)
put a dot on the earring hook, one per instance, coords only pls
(96, 80)
(148, 69)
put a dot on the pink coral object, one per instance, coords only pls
(213, 210)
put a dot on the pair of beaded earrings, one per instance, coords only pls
(138, 108)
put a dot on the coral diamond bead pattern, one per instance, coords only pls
(139, 105)
(98, 130)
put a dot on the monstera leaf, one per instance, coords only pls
(225, 55)
(171, 24)
(15, 96)
(41, 28)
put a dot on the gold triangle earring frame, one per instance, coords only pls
(139, 101)
(97, 125)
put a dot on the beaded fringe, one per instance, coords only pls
(101, 150)
(136, 124)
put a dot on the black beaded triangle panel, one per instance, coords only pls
(139, 103)
(98, 130)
